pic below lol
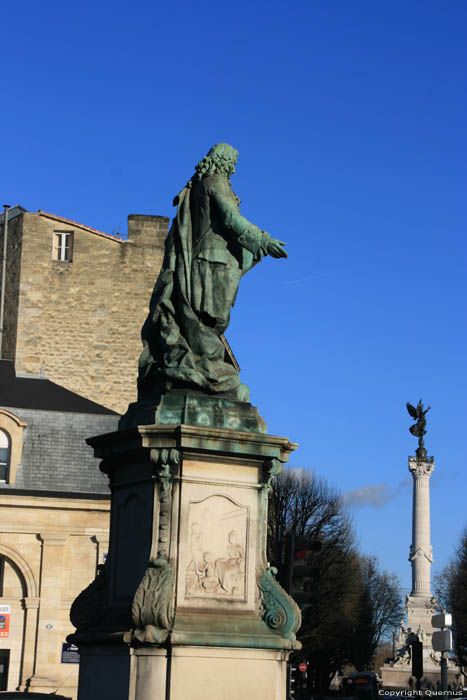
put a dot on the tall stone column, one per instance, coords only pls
(421, 556)
(32, 611)
(420, 604)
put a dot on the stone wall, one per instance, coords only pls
(13, 268)
(51, 547)
(80, 321)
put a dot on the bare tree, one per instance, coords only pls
(302, 502)
(354, 603)
(382, 655)
(380, 610)
(451, 590)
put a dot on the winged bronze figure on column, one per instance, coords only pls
(418, 413)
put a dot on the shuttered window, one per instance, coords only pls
(63, 246)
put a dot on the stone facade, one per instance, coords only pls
(74, 324)
(54, 523)
(79, 321)
(10, 321)
(50, 547)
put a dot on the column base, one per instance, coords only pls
(43, 684)
(420, 609)
(397, 677)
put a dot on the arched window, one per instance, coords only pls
(5, 453)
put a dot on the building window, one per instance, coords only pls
(5, 450)
(63, 246)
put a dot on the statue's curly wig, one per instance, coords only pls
(220, 159)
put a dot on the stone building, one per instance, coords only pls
(76, 299)
(54, 523)
(74, 305)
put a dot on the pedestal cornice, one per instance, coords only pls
(195, 441)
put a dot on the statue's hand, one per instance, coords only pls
(275, 248)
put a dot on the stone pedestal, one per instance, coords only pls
(197, 673)
(186, 605)
(398, 677)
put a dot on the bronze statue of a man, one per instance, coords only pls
(209, 248)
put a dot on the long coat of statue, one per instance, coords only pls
(209, 248)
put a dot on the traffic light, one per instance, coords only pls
(298, 574)
(292, 680)
(297, 679)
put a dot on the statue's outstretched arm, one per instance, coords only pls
(247, 234)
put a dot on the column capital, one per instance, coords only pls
(419, 468)
(54, 538)
(101, 538)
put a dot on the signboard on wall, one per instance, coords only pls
(70, 653)
(5, 612)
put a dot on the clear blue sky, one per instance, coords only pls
(350, 119)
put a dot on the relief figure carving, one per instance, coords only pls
(231, 569)
(217, 554)
(209, 579)
(196, 551)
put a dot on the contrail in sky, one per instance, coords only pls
(313, 277)
(319, 275)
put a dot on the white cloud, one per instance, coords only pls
(373, 495)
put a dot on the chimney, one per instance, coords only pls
(146, 229)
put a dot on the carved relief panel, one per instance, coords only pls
(217, 549)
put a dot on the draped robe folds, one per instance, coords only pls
(209, 248)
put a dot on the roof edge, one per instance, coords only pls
(55, 217)
(47, 493)
(13, 212)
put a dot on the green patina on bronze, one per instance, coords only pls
(418, 413)
(185, 406)
(209, 248)
(153, 605)
(280, 612)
